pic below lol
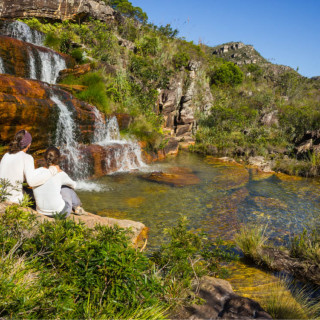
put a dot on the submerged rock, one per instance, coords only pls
(177, 177)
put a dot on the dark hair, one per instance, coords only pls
(52, 156)
(16, 145)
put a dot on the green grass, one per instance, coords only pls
(251, 240)
(285, 300)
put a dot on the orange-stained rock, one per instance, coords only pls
(77, 71)
(15, 55)
(102, 160)
(124, 120)
(57, 10)
(177, 177)
(26, 104)
(72, 88)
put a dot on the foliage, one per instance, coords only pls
(188, 256)
(62, 269)
(128, 10)
(288, 300)
(306, 246)
(95, 92)
(227, 74)
(6, 189)
(250, 240)
(181, 59)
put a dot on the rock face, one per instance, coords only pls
(222, 303)
(239, 53)
(56, 9)
(178, 103)
(24, 103)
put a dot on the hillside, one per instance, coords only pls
(226, 100)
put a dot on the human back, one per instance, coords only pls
(17, 166)
(50, 197)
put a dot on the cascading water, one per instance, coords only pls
(127, 153)
(65, 138)
(2, 69)
(51, 64)
(44, 63)
(23, 32)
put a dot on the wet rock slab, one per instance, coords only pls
(177, 177)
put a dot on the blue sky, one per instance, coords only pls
(283, 31)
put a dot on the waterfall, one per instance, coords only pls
(51, 64)
(32, 65)
(23, 32)
(2, 69)
(65, 138)
(127, 153)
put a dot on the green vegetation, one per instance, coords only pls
(228, 74)
(136, 60)
(286, 300)
(62, 269)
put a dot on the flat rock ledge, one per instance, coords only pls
(139, 232)
(221, 302)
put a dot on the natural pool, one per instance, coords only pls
(224, 197)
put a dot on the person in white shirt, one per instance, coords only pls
(56, 195)
(17, 166)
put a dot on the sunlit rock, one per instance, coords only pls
(177, 177)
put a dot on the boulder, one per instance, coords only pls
(56, 10)
(261, 163)
(221, 303)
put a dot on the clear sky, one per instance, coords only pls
(282, 31)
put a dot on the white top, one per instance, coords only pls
(18, 167)
(48, 198)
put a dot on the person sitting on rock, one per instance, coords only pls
(17, 166)
(56, 195)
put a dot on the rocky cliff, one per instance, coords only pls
(56, 9)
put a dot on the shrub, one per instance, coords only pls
(227, 74)
(181, 59)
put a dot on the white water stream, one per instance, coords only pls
(45, 64)
(2, 69)
(23, 32)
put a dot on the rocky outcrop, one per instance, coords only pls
(221, 303)
(24, 103)
(178, 103)
(56, 9)
(138, 231)
(239, 53)
(309, 143)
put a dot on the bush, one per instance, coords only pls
(227, 74)
(181, 59)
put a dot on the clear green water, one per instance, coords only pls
(225, 197)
